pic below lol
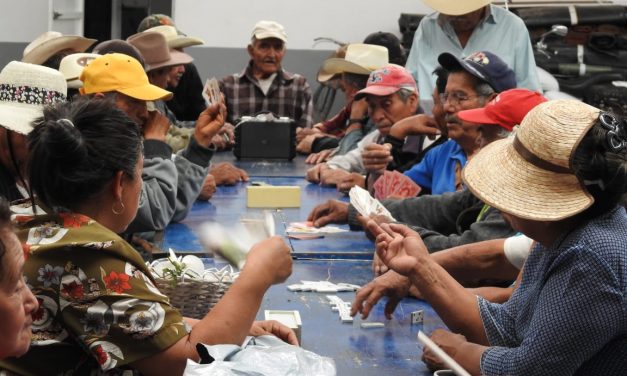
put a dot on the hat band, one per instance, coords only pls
(30, 95)
(536, 161)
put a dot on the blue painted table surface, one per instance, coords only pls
(391, 350)
(228, 205)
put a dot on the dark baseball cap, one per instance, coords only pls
(484, 65)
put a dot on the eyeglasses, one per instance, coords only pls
(455, 98)
(616, 138)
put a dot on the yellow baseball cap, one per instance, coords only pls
(121, 73)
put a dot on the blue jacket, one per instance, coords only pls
(436, 171)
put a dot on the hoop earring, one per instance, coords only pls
(118, 212)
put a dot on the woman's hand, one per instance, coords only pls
(275, 328)
(270, 261)
(390, 284)
(449, 342)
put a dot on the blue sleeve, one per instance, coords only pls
(578, 311)
(422, 173)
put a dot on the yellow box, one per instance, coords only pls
(273, 196)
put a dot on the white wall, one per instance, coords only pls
(229, 23)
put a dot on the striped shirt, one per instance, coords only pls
(289, 95)
(569, 314)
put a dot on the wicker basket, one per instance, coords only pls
(194, 298)
(192, 293)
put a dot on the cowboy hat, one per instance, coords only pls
(530, 175)
(359, 59)
(52, 42)
(155, 50)
(24, 91)
(174, 38)
(456, 8)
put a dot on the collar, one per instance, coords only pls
(283, 75)
(490, 16)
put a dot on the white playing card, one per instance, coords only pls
(366, 205)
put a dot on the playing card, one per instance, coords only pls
(211, 91)
(403, 187)
(366, 205)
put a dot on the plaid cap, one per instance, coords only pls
(387, 80)
(484, 65)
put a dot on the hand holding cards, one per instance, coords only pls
(366, 205)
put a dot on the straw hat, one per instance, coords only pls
(456, 8)
(24, 91)
(360, 59)
(72, 66)
(174, 38)
(530, 175)
(52, 42)
(155, 50)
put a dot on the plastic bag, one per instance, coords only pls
(262, 356)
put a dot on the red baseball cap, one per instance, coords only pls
(506, 110)
(387, 80)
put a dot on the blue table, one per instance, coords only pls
(391, 350)
(228, 205)
(275, 168)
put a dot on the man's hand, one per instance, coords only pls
(332, 211)
(314, 173)
(449, 342)
(351, 180)
(415, 125)
(376, 157)
(320, 157)
(227, 174)
(400, 248)
(209, 123)
(301, 133)
(333, 176)
(225, 139)
(156, 126)
(208, 188)
(260, 328)
(304, 145)
(390, 284)
(378, 267)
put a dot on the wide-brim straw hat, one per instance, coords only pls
(530, 175)
(25, 89)
(456, 8)
(154, 48)
(175, 38)
(52, 42)
(360, 58)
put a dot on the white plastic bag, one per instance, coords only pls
(262, 356)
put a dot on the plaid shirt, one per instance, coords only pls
(289, 95)
(569, 313)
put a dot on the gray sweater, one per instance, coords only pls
(447, 220)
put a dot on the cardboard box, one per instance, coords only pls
(273, 196)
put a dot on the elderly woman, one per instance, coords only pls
(558, 181)
(100, 309)
(17, 302)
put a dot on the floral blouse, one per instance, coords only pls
(99, 309)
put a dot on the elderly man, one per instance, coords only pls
(472, 82)
(391, 96)
(171, 185)
(264, 85)
(463, 27)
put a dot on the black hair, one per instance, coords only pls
(441, 78)
(396, 52)
(5, 222)
(76, 148)
(601, 169)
